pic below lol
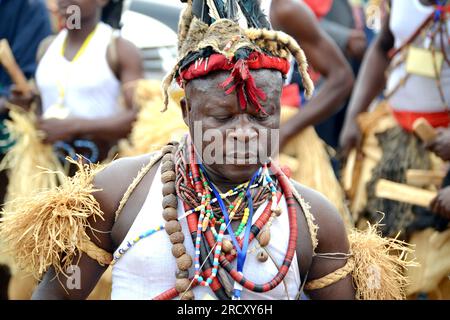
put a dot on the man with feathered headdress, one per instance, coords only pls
(198, 220)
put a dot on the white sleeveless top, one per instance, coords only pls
(91, 88)
(148, 269)
(419, 94)
(265, 7)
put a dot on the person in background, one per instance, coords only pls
(441, 147)
(24, 24)
(403, 63)
(78, 103)
(160, 264)
(300, 146)
(82, 74)
(345, 24)
(319, 7)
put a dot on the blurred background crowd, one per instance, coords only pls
(94, 91)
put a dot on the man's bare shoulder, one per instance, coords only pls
(332, 235)
(114, 180)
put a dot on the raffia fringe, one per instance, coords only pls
(153, 129)
(25, 160)
(48, 228)
(377, 266)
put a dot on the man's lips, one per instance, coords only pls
(247, 155)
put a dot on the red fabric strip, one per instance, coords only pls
(406, 119)
(217, 62)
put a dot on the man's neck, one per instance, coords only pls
(222, 184)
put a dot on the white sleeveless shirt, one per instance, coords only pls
(419, 94)
(148, 269)
(91, 88)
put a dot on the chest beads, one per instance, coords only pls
(190, 182)
(173, 226)
(194, 178)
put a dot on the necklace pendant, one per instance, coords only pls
(277, 211)
(237, 290)
(205, 223)
(264, 237)
(262, 256)
(227, 246)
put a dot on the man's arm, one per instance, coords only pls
(332, 238)
(339, 33)
(370, 82)
(296, 19)
(113, 182)
(441, 203)
(352, 42)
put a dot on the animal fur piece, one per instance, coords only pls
(226, 37)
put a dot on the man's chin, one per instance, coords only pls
(237, 173)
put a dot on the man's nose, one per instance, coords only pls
(244, 130)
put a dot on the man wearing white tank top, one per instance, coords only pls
(80, 77)
(166, 222)
(413, 49)
(81, 74)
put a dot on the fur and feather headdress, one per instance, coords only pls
(235, 36)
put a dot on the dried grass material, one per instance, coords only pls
(41, 229)
(380, 265)
(153, 129)
(432, 251)
(27, 157)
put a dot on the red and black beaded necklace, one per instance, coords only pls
(183, 170)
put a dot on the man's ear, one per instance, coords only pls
(185, 110)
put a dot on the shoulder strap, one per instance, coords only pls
(312, 226)
(393, 52)
(43, 47)
(112, 53)
(154, 158)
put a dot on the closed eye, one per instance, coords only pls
(223, 118)
(260, 116)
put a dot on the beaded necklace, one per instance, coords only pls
(185, 187)
(213, 241)
(225, 259)
(293, 233)
(241, 251)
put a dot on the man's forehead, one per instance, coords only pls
(267, 79)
